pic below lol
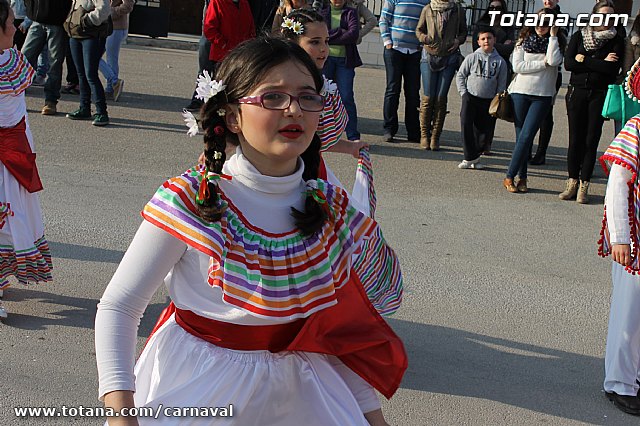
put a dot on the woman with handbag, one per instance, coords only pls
(594, 57)
(536, 59)
(88, 25)
(442, 29)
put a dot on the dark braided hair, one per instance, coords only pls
(4, 14)
(304, 16)
(243, 69)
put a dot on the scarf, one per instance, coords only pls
(594, 40)
(441, 5)
(535, 44)
(624, 152)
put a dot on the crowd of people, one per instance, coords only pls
(297, 296)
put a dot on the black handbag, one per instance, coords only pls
(78, 26)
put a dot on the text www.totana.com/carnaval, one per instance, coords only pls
(155, 412)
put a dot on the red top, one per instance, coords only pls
(226, 25)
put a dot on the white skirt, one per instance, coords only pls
(177, 369)
(24, 251)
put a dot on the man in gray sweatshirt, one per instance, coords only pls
(482, 75)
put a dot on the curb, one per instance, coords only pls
(163, 43)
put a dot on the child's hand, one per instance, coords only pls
(356, 146)
(201, 160)
(375, 418)
(621, 253)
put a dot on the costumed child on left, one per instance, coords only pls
(24, 252)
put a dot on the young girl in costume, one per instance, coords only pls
(619, 238)
(307, 28)
(256, 253)
(24, 252)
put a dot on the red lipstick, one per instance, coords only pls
(292, 131)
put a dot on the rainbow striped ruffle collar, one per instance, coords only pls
(264, 274)
(15, 72)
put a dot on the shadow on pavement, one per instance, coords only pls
(75, 311)
(78, 252)
(455, 362)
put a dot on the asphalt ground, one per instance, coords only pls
(506, 302)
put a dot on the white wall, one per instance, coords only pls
(573, 7)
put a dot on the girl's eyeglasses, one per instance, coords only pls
(311, 102)
(492, 7)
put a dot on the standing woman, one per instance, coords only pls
(594, 57)
(120, 10)
(536, 59)
(92, 17)
(344, 30)
(442, 29)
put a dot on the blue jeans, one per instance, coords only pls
(110, 68)
(204, 63)
(335, 69)
(399, 66)
(436, 84)
(86, 56)
(54, 37)
(529, 111)
(43, 62)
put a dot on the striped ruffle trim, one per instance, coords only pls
(267, 275)
(16, 73)
(378, 268)
(333, 121)
(366, 169)
(32, 265)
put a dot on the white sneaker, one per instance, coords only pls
(473, 164)
(118, 86)
(3, 313)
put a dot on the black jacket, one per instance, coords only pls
(51, 12)
(594, 72)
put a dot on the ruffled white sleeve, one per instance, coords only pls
(617, 204)
(148, 260)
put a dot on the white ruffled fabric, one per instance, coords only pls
(177, 369)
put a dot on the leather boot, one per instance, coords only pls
(583, 193)
(426, 116)
(439, 113)
(570, 190)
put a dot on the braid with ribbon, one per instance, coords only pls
(316, 208)
(215, 143)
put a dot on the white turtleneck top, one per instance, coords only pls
(617, 204)
(155, 256)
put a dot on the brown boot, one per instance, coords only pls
(508, 184)
(583, 193)
(570, 190)
(439, 112)
(426, 116)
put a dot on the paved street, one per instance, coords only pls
(506, 301)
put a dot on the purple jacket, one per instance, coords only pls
(346, 35)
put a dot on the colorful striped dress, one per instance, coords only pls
(333, 119)
(251, 269)
(24, 252)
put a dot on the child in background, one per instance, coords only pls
(24, 252)
(256, 253)
(482, 75)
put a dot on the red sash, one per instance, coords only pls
(17, 157)
(352, 330)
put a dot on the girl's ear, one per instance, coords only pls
(231, 118)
